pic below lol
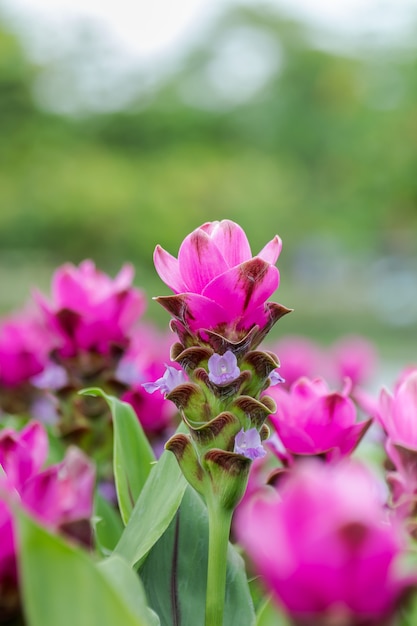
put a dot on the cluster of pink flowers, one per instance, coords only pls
(89, 332)
(60, 496)
(325, 534)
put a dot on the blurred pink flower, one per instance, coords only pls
(219, 285)
(311, 420)
(60, 496)
(91, 311)
(24, 346)
(353, 357)
(398, 413)
(398, 416)
(325, 547)
(298, 357)
(144, 362)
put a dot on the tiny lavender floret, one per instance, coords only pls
(171, 379)
(223, 369)
(248, 443)
(275, 378)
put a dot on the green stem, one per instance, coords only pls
(220, 520)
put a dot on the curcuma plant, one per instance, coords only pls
(115, 530)
(220, 315)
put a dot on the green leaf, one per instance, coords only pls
(108, 525)
(154, 509)
(175, 572)
(132, 452)
(129, 586)
(62, 586)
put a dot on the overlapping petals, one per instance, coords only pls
(60, 496)
(311, 420)
(219, 285)
(89, 310)
(325, 547)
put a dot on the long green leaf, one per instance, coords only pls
(132, 452)
(108, 525)
(154, 509)
(62, 586)
(175, 572)
(127, 583)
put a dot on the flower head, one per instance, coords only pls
(60, 496)
(218, 284)
(311, 420)
(223, 368)
(91, 311)
(325, 546)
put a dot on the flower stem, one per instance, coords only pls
(219, 530)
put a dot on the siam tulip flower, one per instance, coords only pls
(299, 357)
(398, 416)
(219, 285)
(24, 348)
(91, 312)
(311, 420)
(60, 497)
(325, 547)
(144, 361)
(353, 357)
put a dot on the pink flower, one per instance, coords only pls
(144, 362)
(91, 311)
(354, 357)
(298, 357)
(60, 496)
(311, 420)
(398, 412)
(24, 346)
(325, 547)
(398, 416)
(219, 285)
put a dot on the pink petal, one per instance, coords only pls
(124, 278)
(168, 270)
(232, 242)
(195, 311)
(200, 261)
(271, 251)
(67, 291)
(244, 288)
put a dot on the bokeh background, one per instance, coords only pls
(124, 125)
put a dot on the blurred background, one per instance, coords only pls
(125, 124)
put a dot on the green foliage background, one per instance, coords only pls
(324, 154)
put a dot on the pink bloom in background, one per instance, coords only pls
(219, 284)
(298, 357)
(91, 311)
(144, 362)
(311, 420)
(353, 357)
(24, 346)
(60, 496)
(398, 412)
(398, 416)
(325, 547)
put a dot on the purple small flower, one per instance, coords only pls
(223, 369)
(171, 379)
(275, 378)
(248, 443)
